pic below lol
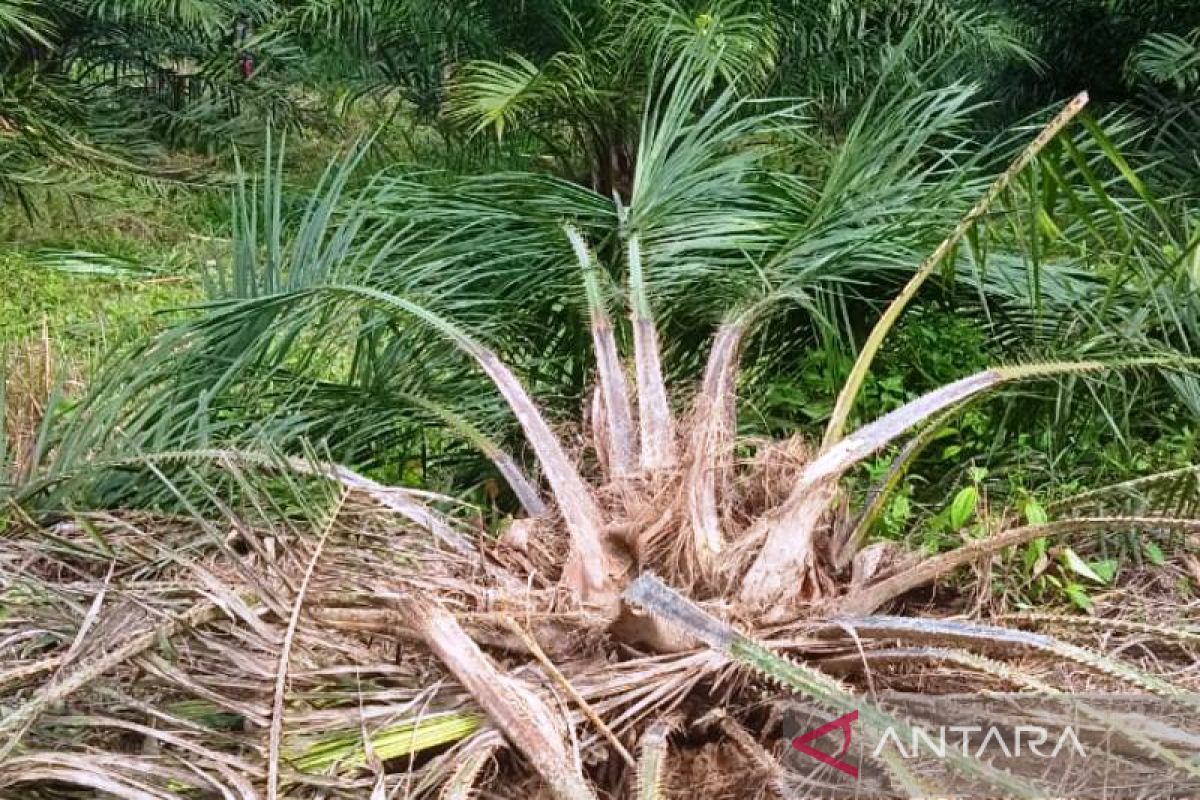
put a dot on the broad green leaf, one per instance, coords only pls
(1105, 568)
(963, 506)
(1079, 596)
(1073, 562)
(1035, 514)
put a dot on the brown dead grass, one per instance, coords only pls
(33, 370)
(208, 603)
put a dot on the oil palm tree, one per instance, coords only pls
(729, 236)
(584, 99)
(419, 284)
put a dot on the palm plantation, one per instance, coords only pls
(635, 372)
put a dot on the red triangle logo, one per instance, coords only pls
(842, 723)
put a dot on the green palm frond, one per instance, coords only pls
(22, 20)
(736, 39)
(1168, 58)
(206, 15)
(495, 95)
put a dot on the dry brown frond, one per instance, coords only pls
(181, 664)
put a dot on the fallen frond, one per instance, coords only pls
(866, 600)
(651, 764)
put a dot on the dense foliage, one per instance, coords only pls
(92, 81)
(643, 346)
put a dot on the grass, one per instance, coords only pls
(84, 274)
(82, 314)
(90, 266)
(89, 271)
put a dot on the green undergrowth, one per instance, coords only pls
(83, 315)
(89, 270)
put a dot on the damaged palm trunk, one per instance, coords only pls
(654, 411)
(712, 442)
(526, 721)
(593, 570)
(619, 443)
(786, 569)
